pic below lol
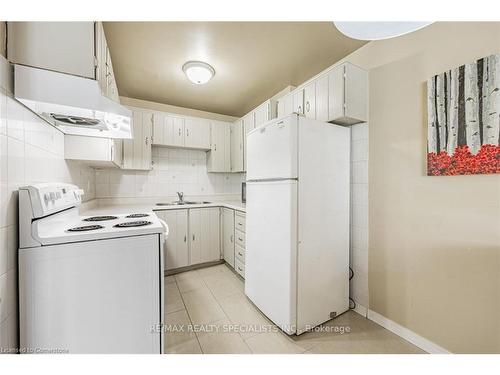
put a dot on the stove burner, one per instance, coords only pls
(85, 228)
(100, 218)
(129, 224)
(134, 216)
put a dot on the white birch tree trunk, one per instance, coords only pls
(441, 117)
(452, 112)
(471, 108)
(491, 99)
(431, 117)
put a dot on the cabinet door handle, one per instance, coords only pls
(185, 238)
(193, 237)
(146, 141)
(215, 147)
(240, 239)
(179, 132)
(231, 238)
(240, 254)
(308, 107)
(187, 132)
(240, 269)
(240, 224)
(300, 109)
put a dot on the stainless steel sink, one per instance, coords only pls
(183, 203)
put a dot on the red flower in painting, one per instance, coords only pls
(486, 161)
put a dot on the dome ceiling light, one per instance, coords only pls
(378, 30)
(198, 72)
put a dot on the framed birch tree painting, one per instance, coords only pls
(464, 119)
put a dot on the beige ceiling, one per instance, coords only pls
(252, 60)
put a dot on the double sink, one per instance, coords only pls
(181, 203)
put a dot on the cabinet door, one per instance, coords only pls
(176, 244)
(355, 94)
(158, 129)
(310, 100)
(197, 133)
(137, 151)
(336, 93)
(204, 235)
(322, 98)
(281, 107)
(147, 129)
(173, 130)
(228, 235)
(248, 126)
(262, 114)
(219, 157)
(237, 146)
(117, 152)
(288, 104)
(298, 101)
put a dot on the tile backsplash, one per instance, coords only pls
(31, 151)
(173, 170)
(359, 214)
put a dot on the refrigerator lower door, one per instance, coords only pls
(271, 250)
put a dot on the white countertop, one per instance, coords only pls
(96, 207)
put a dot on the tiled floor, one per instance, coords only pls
(207, 312)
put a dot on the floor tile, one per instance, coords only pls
(169, 279)
(222, 340)
(178, 329)
(189, 281)
(221, 285)
(273, 343)
(202, 306)
(173, 300)
(241, 312)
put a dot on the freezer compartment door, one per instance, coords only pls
(271, 250)
(272, 150)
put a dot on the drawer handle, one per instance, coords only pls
(240, 254)
(240, 238)
(240, 224)
(240, 269)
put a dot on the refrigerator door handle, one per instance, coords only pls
(274, 179)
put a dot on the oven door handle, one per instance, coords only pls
(164, 226)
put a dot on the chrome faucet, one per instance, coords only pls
(180, 194)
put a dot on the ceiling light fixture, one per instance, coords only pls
(378, 30)
(198, 72)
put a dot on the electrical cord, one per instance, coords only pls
(351, 275)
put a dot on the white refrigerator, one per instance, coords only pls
(297, 221)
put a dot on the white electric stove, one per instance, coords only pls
(87, 284)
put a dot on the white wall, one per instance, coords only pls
(173, 170)
(359, 214)
(30, 151)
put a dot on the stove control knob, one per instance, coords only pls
(46, 198)
(52, 196)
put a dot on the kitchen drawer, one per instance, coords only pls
(239, 253)
(239, 268)
(239, 238)
(239, 221)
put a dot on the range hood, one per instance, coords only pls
(73, 104)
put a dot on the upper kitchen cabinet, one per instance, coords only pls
(264, 112)
(309, 93)
(77, 48)
(94, 151)
(321, 99)
(348, 94)
(285, 105)
(180, 131)
(197, 133)
(137, 151)
(298, 101)
(237, 158)
(219, 156)
(248, 125)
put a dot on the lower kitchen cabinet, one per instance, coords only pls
(176, 247)
(228, 235)
(204, 235)
(194, 236)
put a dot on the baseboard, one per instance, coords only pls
(406, 334)
(361, 310)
